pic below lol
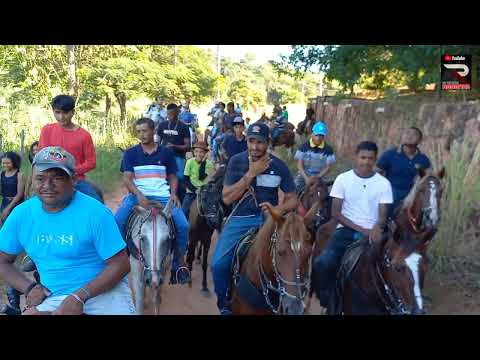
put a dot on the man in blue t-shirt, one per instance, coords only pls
(175, 135)
(237, 143)
(264, 174)
(74, 242)
(400, 165)
(149, 173)
(229, 117)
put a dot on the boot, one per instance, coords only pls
(13, 296)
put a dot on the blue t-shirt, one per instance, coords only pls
(400, 170)
(150, 170)
(315, 159)
(233, 147)
(174, 134)
(70, 247)
(265, 185)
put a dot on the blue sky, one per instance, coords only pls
(263, 53)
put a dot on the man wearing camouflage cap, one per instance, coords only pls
(74, 241)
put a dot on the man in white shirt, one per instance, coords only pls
(361, 198)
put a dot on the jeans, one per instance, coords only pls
(326, 266)
(215, 144)
(224, 253)
(187, 203)
(299, 183)
(86, 188)
(181, 223)
(180, 170)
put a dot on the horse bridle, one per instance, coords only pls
(417, 228)
(153, 212)
(268, 286)
(391, 301)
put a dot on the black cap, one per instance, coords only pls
(258, 131)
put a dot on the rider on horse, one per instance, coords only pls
(237, 143)
(314, 157)
(252, 180)
(279, 122)
(400, 165)
(196, 171)
(149, 173)
(74, 240)
(360, 205)
(73, 138)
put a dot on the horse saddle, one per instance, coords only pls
(245, 288)
(349, 262)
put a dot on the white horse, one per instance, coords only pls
(149, 239)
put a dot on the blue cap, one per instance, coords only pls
(320, 129)
(258, 131)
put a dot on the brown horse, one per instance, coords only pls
(286, 138)
(276, 269)
(419, 213)
(381, 279)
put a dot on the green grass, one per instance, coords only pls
(107, 173)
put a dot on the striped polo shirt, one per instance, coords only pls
(315, 158)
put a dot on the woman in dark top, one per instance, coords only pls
(12, 183)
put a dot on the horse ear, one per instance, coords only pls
(421, 172)
(140, 210)
(442, 173)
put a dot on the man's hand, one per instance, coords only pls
(255, 168)
(310, 180)
(170, 146)
(375, 234)
(69, 306)
(37, 295)
(176, 200)
(267, 207)
(143, 201)
(5, 213)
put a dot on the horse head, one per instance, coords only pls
(210, 199)
(402, 271)
(422, 204)
(150, 233)
(291, 250)
(313, 203)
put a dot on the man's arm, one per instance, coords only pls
(11, 274)
(118, 266)
(90, 157)
(323, 172)
(128, 178)
(301, 170)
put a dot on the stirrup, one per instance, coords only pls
(188, 272)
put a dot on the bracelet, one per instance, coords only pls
(86, 292)
(76, 297)
(29, 288)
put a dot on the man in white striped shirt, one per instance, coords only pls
(149, 173)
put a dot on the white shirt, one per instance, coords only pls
(361, 197)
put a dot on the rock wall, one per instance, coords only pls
(352, 121)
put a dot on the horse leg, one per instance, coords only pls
(206, 248)
(199, 252)
(157, 300)
(138, 284)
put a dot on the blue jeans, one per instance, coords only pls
(326, 266)
(180, 176)
(224, 253)
(87, 189)
(181, 223)
(187, 203)
(215, 145)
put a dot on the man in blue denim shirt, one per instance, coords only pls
(265, 174)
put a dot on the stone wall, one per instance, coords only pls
(352, 121)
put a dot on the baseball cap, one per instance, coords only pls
(258, 131)
(54, 157)
(320, 129)
(238, 120)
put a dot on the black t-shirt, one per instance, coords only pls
(171, 133)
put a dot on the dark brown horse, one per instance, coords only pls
(206, 214)
(305, 127)
(381, 279)
(276, 269)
